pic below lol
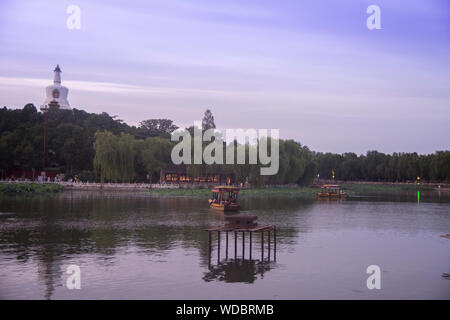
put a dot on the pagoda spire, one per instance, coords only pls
(57, 76)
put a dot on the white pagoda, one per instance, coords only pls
(56, 94)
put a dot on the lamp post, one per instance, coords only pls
(418, 191)
(44, 110)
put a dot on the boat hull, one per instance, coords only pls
(233, 207)
(331, 196)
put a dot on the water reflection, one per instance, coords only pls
(418, 196)
(51, 230)
(246, 271)
(43, 234)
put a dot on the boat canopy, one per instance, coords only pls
(331, 186)
(222, 189)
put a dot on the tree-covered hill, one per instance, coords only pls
(130, 153)
(70, 137)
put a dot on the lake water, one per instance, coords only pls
(134, 246)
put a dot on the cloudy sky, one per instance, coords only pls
(309, 68)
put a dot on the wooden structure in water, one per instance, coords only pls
(242, 224)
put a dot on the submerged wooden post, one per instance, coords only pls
(262, 246)
(226, 245)
(235, 245)
(274, 243)
(251, 245)
(209, 248)
(243, 245)
(218, 246)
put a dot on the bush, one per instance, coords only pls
(27, 188)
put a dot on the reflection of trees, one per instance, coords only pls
(50, 228)
(85, 222)
(246, 271)
(49, 268)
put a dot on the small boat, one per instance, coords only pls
(331, 192)
(224, 198)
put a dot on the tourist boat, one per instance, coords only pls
(224, 198)
(331, 192)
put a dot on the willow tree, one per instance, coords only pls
(153, 153)
(114, 156)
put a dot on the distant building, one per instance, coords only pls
(56, 94)
(172, 173)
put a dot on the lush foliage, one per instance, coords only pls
(157, 127)
(124, 158)
(70, 138)
(377, 166)
(101, 147)
(208, 120)
(114, 156)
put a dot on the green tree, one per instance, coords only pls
(114, 156)
(157, 127)
(208, 120)
(153, 154)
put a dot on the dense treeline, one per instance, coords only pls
(99, 146)
(70, 138)
(377, 166)
(124, 158)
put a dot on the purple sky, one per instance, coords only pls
(309, 68)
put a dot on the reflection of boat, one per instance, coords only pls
(224, 198)
(331, 192)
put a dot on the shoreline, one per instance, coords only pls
(352, 188)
